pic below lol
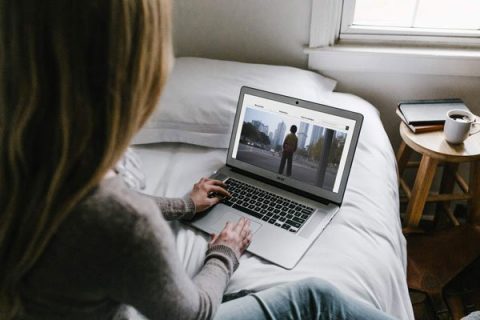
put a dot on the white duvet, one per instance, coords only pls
(362, 251)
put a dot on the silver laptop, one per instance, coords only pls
(287, 168)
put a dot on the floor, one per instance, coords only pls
(462, 294)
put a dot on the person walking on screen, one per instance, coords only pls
(289, 148)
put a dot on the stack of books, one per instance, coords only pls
(427, 115)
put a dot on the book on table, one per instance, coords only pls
(427, 115)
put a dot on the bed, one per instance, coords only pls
(362, 251)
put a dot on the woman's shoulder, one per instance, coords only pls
(110, 222)
(112, 207)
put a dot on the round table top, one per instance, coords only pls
(433, 144)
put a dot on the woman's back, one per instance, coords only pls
(115, 246)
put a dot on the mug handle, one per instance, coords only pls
(475, 123)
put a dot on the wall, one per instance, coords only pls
(385, 90)
(263, 31)
(276, 31)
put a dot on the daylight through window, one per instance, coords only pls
(428, 18)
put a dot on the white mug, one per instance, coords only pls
(458, 126)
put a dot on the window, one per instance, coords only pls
(440, 37)
(439, 22)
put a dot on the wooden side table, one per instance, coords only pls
(434, 259)
(435, 150)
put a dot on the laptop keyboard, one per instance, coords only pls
(269, 207)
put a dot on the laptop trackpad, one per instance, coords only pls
(312, 224)
(232, 217)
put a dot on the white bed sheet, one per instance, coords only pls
(362, 251)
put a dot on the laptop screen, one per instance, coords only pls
(294, 143)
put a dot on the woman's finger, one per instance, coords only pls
(214, 237)
(213, 201)
(217, 183)
(218, 191)
(246, 242)
(245, 228)
(244, 235)
(239, 225)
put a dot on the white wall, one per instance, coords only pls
(276, 31)
(263, 31)
(385, 90)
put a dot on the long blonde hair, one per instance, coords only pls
(78, 79)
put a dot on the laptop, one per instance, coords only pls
(287, 168)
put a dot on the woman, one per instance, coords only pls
(78, 79)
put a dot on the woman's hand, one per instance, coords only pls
(236, 236)
(207, 193)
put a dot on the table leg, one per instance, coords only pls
(421, 189)
(447, 185)
(474, 191)
(403, 154)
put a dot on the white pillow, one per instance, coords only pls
(200, 98)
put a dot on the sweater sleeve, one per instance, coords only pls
(153, 280)
(174, 208)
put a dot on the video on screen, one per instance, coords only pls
(303, 151)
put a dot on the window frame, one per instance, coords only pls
(369, 53)
(402, 35)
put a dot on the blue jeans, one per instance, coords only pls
(310, 298)
(472, 316)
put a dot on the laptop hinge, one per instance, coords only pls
(280, 185)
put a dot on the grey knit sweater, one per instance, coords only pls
(116, 249)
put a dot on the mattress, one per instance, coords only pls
(362, 251)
